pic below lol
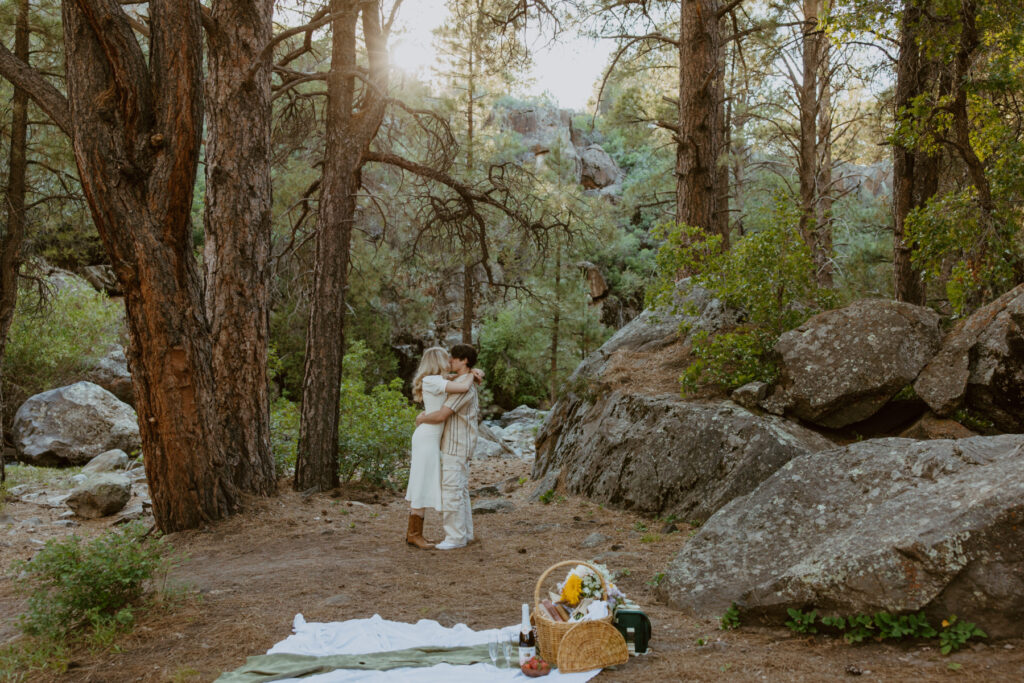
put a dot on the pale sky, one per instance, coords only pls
(568, 70)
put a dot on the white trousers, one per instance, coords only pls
(456, 510)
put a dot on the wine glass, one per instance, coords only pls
(510, 648)
(493, 648)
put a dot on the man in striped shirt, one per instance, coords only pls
(459, 414)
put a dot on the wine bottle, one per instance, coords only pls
(527, 640)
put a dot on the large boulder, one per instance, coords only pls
(981, 365)
(111, 373)
(100, 495)
(885, 524)
(598, 169)
(660, 455)
(841, 366)
(70, 425)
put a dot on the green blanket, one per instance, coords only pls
(277, 667)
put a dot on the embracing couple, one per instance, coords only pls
(443, 443)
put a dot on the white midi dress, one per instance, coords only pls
(425, 465)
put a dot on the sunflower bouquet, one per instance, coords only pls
(580, 597)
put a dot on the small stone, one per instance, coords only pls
(66, 523)
(30, 523)
(114, 459)
(595, 539)
(485, 491)
(484, 507)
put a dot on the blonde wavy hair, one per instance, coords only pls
(435, 361)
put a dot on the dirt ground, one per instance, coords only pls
(343, 555)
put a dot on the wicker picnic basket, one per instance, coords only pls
(551, 632)
(591, 645)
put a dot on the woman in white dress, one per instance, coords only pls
(430, 387)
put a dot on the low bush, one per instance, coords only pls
(74, 584)
(375, 426)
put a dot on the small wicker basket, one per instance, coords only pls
(591, 645)
(551, 632)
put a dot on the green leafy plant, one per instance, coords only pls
(656, 579)
(54, 340)
(767, 275)
(547, 497)
(284, 434)
(802, 622)
(731, 619)
(955, 633)
(650, 538)
(374, 426)
(639, 526)
(73, 584)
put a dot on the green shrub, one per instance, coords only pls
(74, 584)
(284, 434)
(767, 275)
(53, 341)
(731, 619)
(956, 633)
(375, 426)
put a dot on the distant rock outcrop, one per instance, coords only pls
(981, 365)
(841, 366)
(885, 524)
(70, 425)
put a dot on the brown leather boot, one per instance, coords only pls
(414, 536)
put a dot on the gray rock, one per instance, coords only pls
(520, 414)
(884, 524)
(597, 168)
(111, 373)
(614, 559)
(485, 448)
(100, 495)
(595, 539)
(31, 523)
(750, 395)
(66, 523)
(659, 455)
(18, 490)
(841, 366)
(70, 425)
(115, 459)
(492, 505)
(981, 364)
(485, 491)
(549, 482)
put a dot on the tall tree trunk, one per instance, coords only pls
(555, 323)
(14, 231)
(136, 130)
(807, 94)
(915, 172)
(468, 301)
(237, 222)
(349, 134)
(823, 183)
(699, 139)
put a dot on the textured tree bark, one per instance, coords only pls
(915, 173)
(699, 139)
(237, 222)
(823, 209)
(13, 235)
(349, 134)
(136, 129)
(814, 226)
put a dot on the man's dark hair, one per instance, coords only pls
(464, 352)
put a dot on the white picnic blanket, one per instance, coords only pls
(362, 636)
